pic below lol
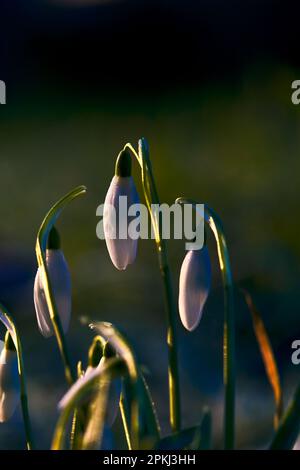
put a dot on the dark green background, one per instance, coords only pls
(210, 88)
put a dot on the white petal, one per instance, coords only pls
(61, 285)
(113, 402)
(9, 384)
(9, 327)
(122, 251)
(297, 444)
(41, 309)
(113, 398)
(194, 286)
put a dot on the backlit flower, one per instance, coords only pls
(121, 246)
(194, 287)
(60, 280)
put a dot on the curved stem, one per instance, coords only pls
(22, 377)
(214, 222)
(151, 197)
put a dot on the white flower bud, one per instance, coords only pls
(114, 393)
(194, 287)
(122, 251)
(9, 383)
(61, 285)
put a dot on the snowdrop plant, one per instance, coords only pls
(214, 223)
(61, 284)
(45, 278)
(124, 253)
(12, 357)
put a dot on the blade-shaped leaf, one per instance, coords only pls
(179, 440)
(203, 437)
(289, 427)
(267, 356)
(194, 438)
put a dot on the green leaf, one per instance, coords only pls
(289, 427)
(203, 436)
(267, 355)
(194, 438)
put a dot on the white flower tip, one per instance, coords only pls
(189, 325)
(61, 286)
(9, 384)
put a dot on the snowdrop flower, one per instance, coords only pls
(61, 284)
(194, 286)
(9, 380)
(114, 388)
(99, 354)
(122, 251)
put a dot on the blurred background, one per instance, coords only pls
(209, 84)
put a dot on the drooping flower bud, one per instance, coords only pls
(122, 247)
(61, 285)
(95, 352)
(9, 380)
(194, 287)
(114, 388)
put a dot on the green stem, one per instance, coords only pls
(214, 222)
(125, 420)
(174, 390)
(61, 341)
(26, 419)
(23, 396)
(58, 330)
(229, 327)
(151, 197)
